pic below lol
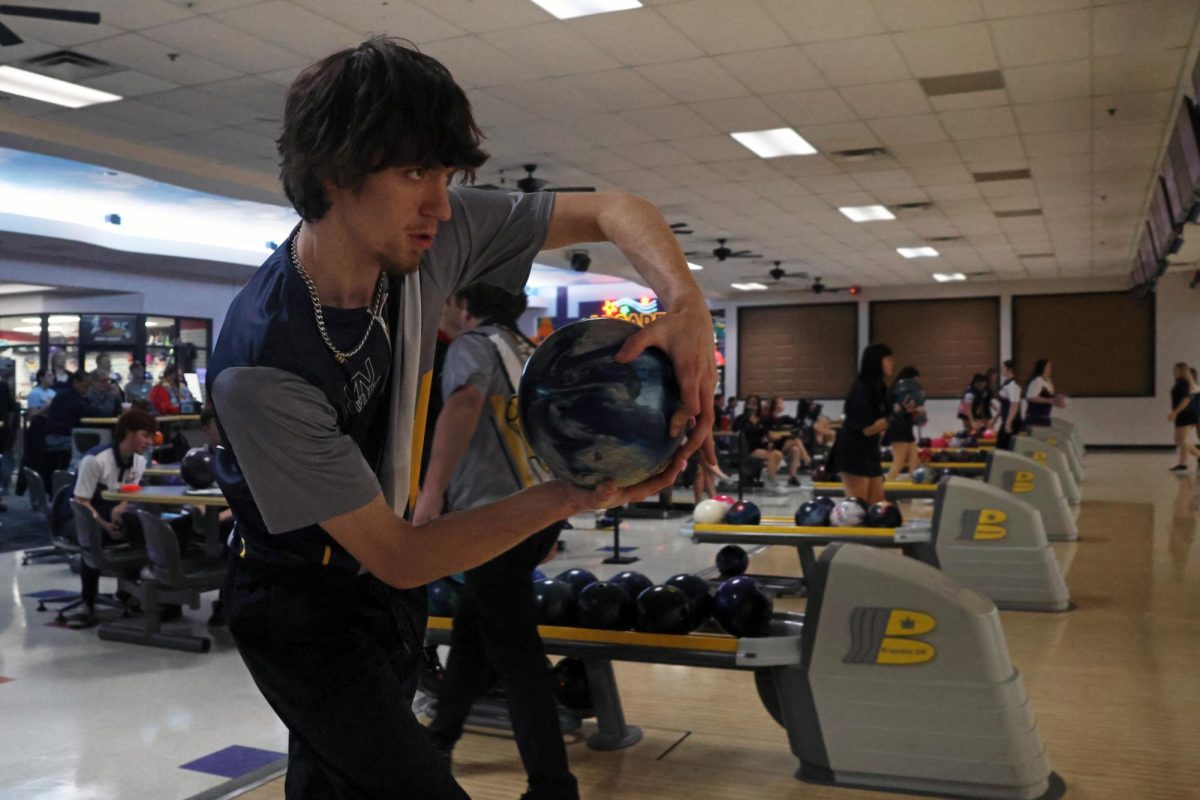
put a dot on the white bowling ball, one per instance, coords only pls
(709, 512)
(847, 514)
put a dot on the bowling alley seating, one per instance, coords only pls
(112, 561)
(39, 502)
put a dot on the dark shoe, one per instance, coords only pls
(84, 619)
(170, 612)
(793, 481)
(217, 619)
(605, 522)
(1178, 468)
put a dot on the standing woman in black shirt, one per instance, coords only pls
(856, 451)
(1183, 414)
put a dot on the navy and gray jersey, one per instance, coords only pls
(308, 438)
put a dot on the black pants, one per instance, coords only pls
(337, 656)
(495, 631)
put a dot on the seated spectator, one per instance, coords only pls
(104, 364)
(104, 395)
(139, 385)
(68, 407)
(39, 397)
(105, 468)
(752, 425)
(784, 433)
(170, 394)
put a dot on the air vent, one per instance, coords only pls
(68, 65)
(859, 154)
(1035, 255)
(963, 83)
(1001, 175)
(944, 239)
(1020, 212)
(917, 206)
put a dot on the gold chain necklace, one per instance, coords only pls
(376, 311)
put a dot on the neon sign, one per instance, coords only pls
(640, 312)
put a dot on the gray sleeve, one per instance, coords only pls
(301, 469)
(492, 237)
(470, 361)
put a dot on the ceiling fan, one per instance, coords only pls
(721, 252)
(531, 184)
(777, 274)
(7, 37)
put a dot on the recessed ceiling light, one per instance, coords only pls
(917, 252)
(694, 267)
(945, 277)
(51, 90)
(58, 319)
(866, 213)
(775, 143)
(749, 287)
(567, 9)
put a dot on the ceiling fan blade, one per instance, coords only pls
(490, 186)
(7, 37)
(59, 15)
(570, 189)
(745, 254)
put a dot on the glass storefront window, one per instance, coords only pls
(64, 340)
(119, 361)
(19, 353)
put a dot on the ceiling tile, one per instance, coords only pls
(752, 169)
(542, 137)
(926, 154)
(638, 36)
(1067, 143)
(719, 26)
(396, 17)
(1142, 26)
(1138, 72)
(694, 80)
(760, 70)
(1042, 39)
(956, 191)
(820, 20)
(1064, 115)
(221, 42)
(618, 90)
(941, 176)
(1049, 81)
(991, 148)
(739, 114)
(598, 160)
(912, 129)
(887, 179)
(904, 15)
(476, 17)
(668, 122)
(969, 100)
(1075, 164)
(1127, 137)
(654, 154)
(1123, 109)
(639, 180)
(216, 110)
(839, 136)
(948, 51)
(607, 130)
(892, 99)
(812, 107)
(490, 110)
(477, 63)
(153, 58)
(712, 148)
(552, 48)
(872, 59)
(546, 99)
(828, 184)
(129, 83)
(290, 26)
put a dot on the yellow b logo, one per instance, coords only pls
(1022, 482)
(991, 524)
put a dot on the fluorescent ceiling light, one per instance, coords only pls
(774, 143)
(51, 90)
(28, 329)
(867, 213)
(944, 277)
(917, 252)
(749, 287)
(32, 320)
(567, 9)
(694, 267)
(60, 318)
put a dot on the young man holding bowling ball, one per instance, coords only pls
(320, 379)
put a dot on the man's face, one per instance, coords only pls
(395, 216)
(141, 441)
(103, 385)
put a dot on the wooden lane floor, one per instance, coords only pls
(1115, 684)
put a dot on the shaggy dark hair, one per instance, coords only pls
(493, 304)
(363, 110)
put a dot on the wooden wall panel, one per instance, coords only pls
(797, 351)
(947, 340)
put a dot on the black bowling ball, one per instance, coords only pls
(742, 608)
(577, 579)
(664, 609)
(632, 582)
(604, 605)
(699, 598)
(571, 686)
(196, 468)
(731, 561)
(884, 514)
(553, 602)
(813, 513)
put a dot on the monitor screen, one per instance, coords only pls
(1184, 154)
(107, 328)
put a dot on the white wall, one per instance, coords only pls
(1121, 421)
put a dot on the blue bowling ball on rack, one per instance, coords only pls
(591, 419)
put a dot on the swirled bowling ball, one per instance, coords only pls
(553, 602)
(813, 513)
(725, 499)
(571, 686)
(709, 512)
(632, 582)
(591, 419)
(698, 595)
(848, 514)
(663, 609)
(577, 579)
(732, 560)
(823, 473)
(744, 513)
(742, 608)
(884, 514)
(442, 597)
(604, 604)
(908, 391)
(196, 468)
(924, 475)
